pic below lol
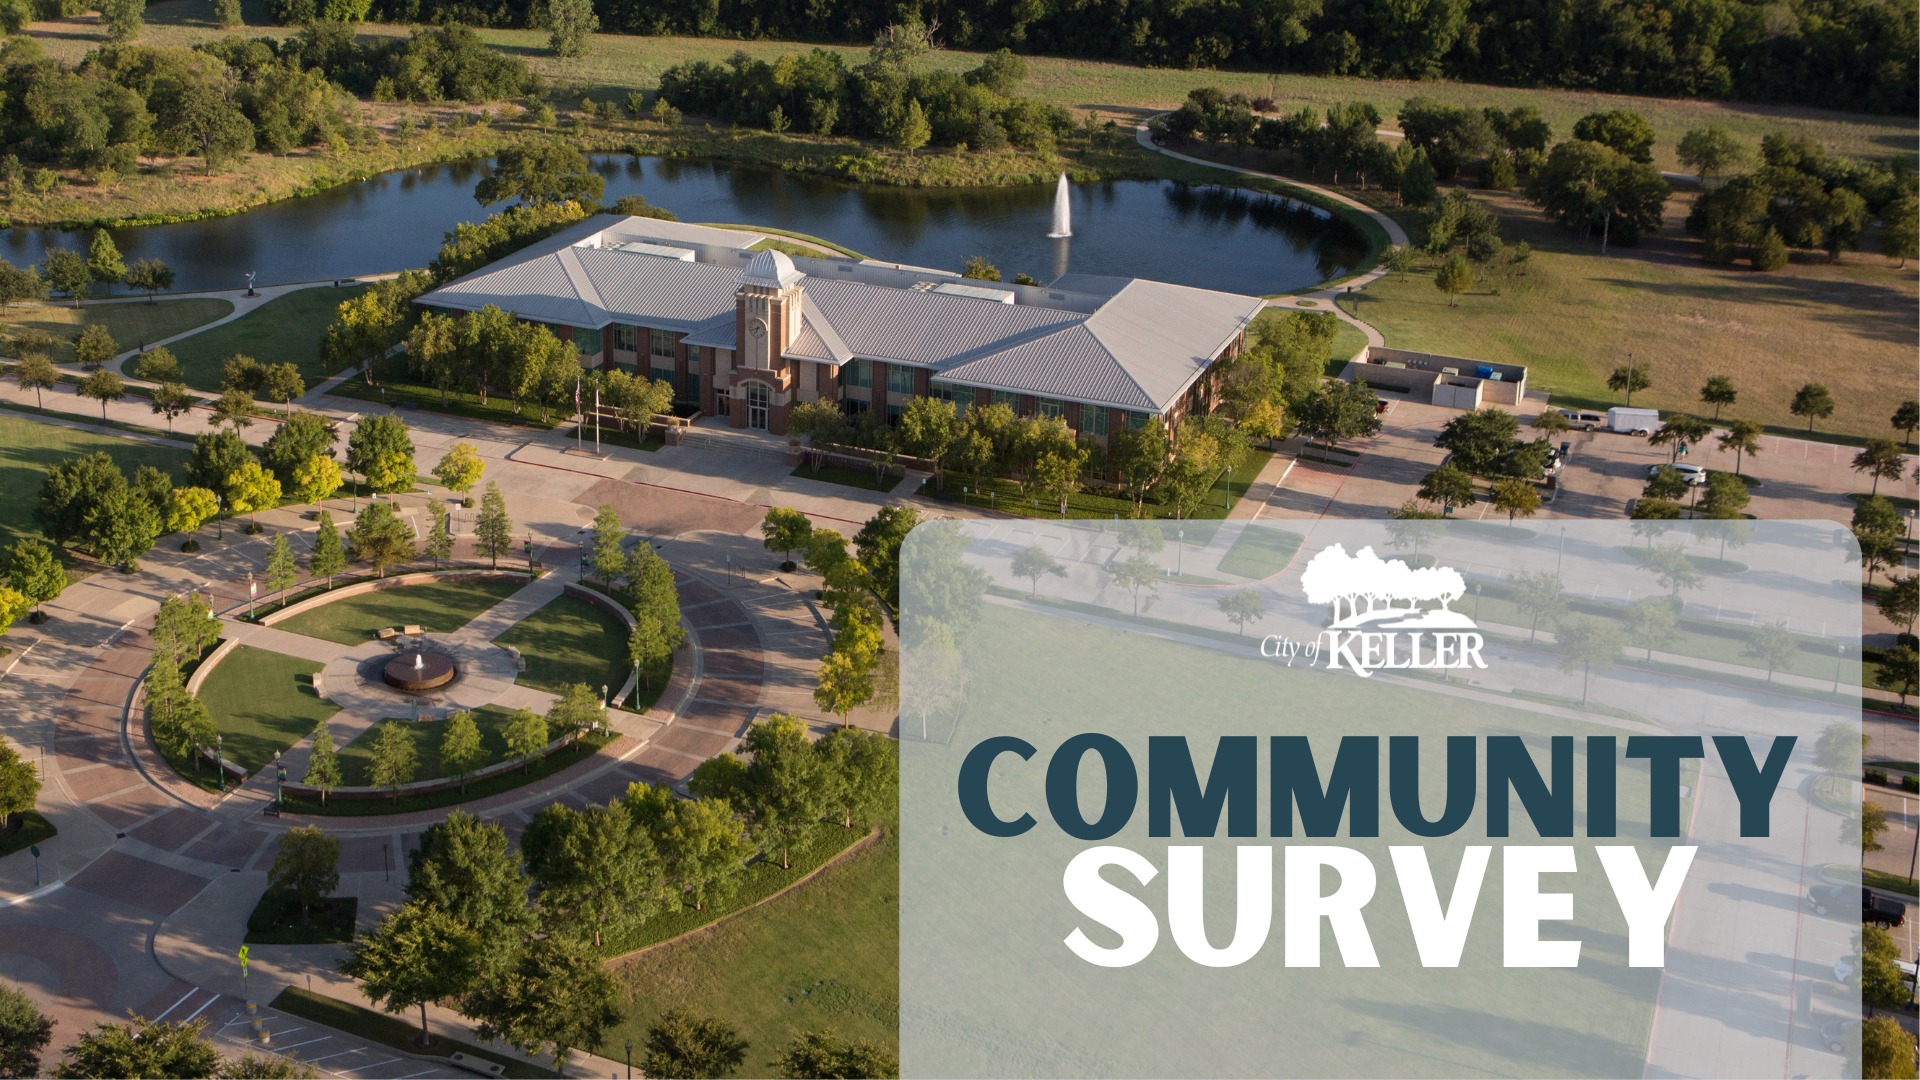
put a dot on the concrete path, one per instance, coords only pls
(501, 617)
(244, 303)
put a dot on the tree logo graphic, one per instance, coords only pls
(1387, 614)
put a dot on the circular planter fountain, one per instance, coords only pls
(418, 670)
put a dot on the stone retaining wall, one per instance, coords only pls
(420, 577)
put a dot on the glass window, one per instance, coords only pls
(586, 339)
(664, 374)
(1137, 420)
(948, 392)
(854, 406)
(1049, 407)
(857, 373)
(660, 343)
(693, 386)
(1093, 419)
(893, 415)
(899, 380)
(626, 338)
(693, 357)
(1011, 401)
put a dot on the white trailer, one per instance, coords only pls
(1633, 421)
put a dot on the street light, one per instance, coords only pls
(220, 763)
(629, 1059)
(1840, 653)
(1180, 549)
(219, 523)
(1557, 559)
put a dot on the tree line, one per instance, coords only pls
(1851, 54)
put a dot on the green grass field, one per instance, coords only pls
(1006, 497)
(440, 607)
(847, 476)
(356, 758)
(540, 769)
(393, 385)
(288, 328)
(28, 449)
(262, 702)
(131, 324)
(1260, 552)
(571, 641)
(825, 955)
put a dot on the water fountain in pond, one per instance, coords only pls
(1062, 212)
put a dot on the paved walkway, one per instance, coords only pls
(244, 303)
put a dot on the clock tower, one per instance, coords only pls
(768, 308)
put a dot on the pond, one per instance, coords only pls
(1201, 235)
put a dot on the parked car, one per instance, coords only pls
(1838, 1035)
(1827, 899)
(1692, 474)
(1881, 911)
(1585, 421)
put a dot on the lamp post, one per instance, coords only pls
(1561, 557)
(220, 763)
(279, 778)
(629, 1059)
(529, 552)
(219, 523)
(1180, 549)
(1839, 655)
(1476, 601)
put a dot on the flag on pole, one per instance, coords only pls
(253, 587)
(576, 393)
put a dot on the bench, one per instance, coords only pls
(386, 634)
(412, 631)
(478, 1066)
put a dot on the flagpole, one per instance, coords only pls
(596, 418)
(580, 429)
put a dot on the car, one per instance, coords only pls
(1585, 421)
(1881, 911)
(1839, 1035)
(1694, 475)
(1827, 899)
(1381, 405)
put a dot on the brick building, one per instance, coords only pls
(747, 335)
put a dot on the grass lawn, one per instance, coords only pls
(129, 323)
(262, 702)
(356, 758)
(826, 954)
(1005, 496)
(392, 385)
(329, 922)
(1260, 552)
(542, 768)
(391, 1031)
(28, 449)
(847, 476)
(286, 328)
(1573, 316)
(440, 607)
(571, 641)
(34, 829)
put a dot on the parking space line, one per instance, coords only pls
(177, 1004)
(202, 1009)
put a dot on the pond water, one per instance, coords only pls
(1201, 235)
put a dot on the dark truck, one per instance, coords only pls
(1873, 909)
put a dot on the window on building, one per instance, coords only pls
(587, 340)
(1093, 419)
(899, 380)
(893, 414)
(1138, 420)
(626, 338)
(693, 386)
(663, 374)
(660, 343)
(857, 373)
(1047, 407)
(854, 406)
(693, 358)
(1011, 401)
(721, 403)
(948, 392)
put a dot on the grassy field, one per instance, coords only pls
(541, 768)
(847, 476)
(825, 955)
(393, 385)
(391, 1031)
(571, 641)
(262, 702)
(129, 323)
(28, 449)
(440, 607)
(1260, 553)
(1006, 497)
(34, 829)
(1573, 316)
(286, 328)
(356, 758)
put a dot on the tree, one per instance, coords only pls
(66, 271)
(283, 383)
(1881, 982)
(554, 997)
(703, 845)
(36, 372)
(103, 386)
(1589, 186)
(1056, 475)
(1628, 378)
(1453, 277)
(24, 1033)
(123, 18)
(1034, 563)
(251, 489)
(978, 268)
(104, 264)
(157, 365)
(1718, 392)
(1906, 418)
(1588, 643)
(1770, 253)
(682, 1046)
(459, 468)
(395, 758)
(150, 276)
(1772, 644)
(418, 955)
(1743, 438)
(1886, 1049)
(1516, 496)
(845, 682)
(1242, 607)
(234, 407)
(1448, 485)
(171, 400)
(1813, 401)
(328, 556)
(878, 544)
(306, 868)
(439, 542)
(929, 429)
(1880, 459)
(1480, 440)
(781, 787)
(550, 171)
(492, 528)
(594, 870)
(469, 870)
(913, 131)
(569, 24)
(1726, 497)
(1623, 130)
(282, 573)
(1898, 670)
(1652, 623)
(1712, 151)
(1899, 600)
(823, 1054)
(216, 456)
(1134, 573)
(141, 1048)
(95, 347)
(1338, 411)
(1872, 825)
(1542, 596)
(1682, 432)
(525, 736)
(381, 451)
(19, 785)
(379, 538)
(31, 568)
(323, 764)
(316, 479)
